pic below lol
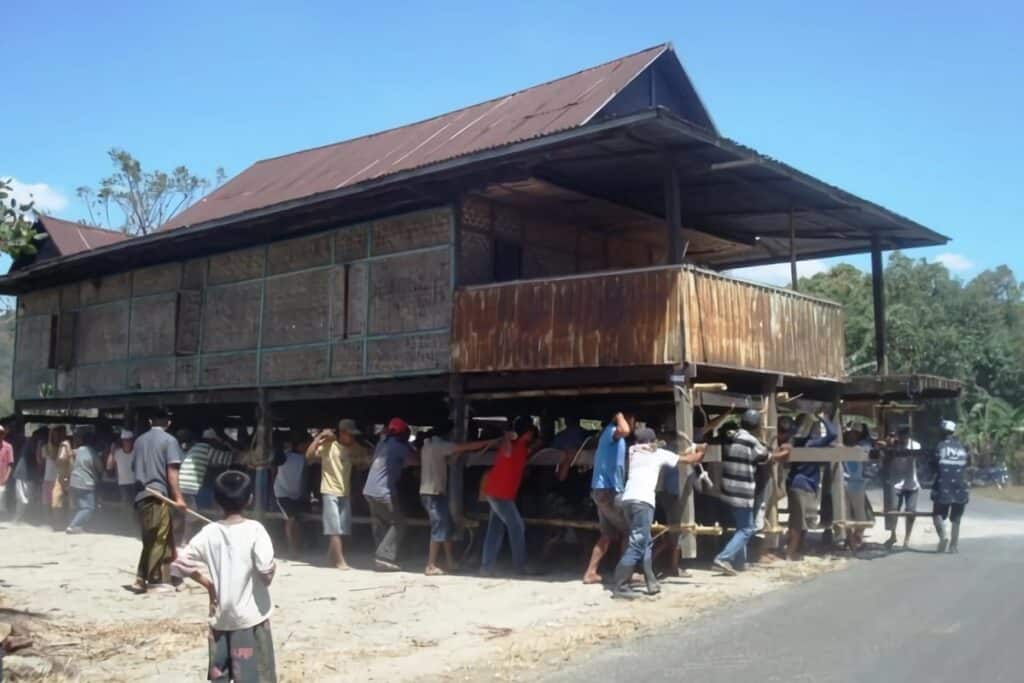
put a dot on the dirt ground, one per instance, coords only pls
(67, 592)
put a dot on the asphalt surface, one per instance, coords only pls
(905, 617)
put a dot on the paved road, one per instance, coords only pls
(906, 617)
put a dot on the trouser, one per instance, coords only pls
(504, 516)
(896, 500)
(735, 551)
(157, 539)
(85, 505)
(22, 498)
(388, 525)
(638, 551)
(242, 656)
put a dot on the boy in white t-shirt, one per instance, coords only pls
(238, 557)
(646, 461)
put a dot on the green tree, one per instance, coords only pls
(17, 235)
(136, 201)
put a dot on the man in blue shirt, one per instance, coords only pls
(804, 477)
(606, 488)
(381, 492)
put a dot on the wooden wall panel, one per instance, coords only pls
(235, 266)
(351, 243)
(408, 354)
(70, 296)
(290, 365)
(102, 334)
(411, 231)
(31, 383)
(41, 302)
(410, 292)
(299, 254)
(233, 369)
(347, 359)
(153, 326)
(189, 317)
(34, 338)
(106, 289)
(296, 309)
(231, 317)
(185, 372)
(151, 375)
(193, 276)
(108, 378)
(165, 277)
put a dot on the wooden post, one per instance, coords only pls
(456, 470)
(264, 449)
(673, 215)
(792, 251)
(776, 487)
(683, 396)
(837, 478)
(878, 299)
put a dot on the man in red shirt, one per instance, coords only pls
(501, 489)
(6, 465)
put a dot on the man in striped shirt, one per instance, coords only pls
(209, 450)
(740, 457)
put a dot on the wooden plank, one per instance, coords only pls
(39, 302)
(411, 231)
(231, 317)
(351, 243)
(228, 370)
(106, 289)
(296, 308)
(164, 277)
(188, 318)
(408, 354)
(151, 375)
(289, 365)
(299, 254)
(100, 379)
(102, 333)
(153, 326)
(235, 266)
(70, 296)
(347, 359)
(834, 454)
(410, 292)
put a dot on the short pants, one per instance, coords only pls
(803, 509)
(951, 511)
(291, 508)
(337, 515)
(895, 500)
(243, 655)
(440, 517)
(610, 515)
(858, 507)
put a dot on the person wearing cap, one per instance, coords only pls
(6, 466)
(501, 488)
(901, 484)
(646, 464)
(119, 460)
(387, 520)
(437, 453)
(156, 465)
(209, 450)
(336, 452)
(949, 492)
(606, 486)
(741, 455)
(85, 474)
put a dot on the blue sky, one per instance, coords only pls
(914, 105)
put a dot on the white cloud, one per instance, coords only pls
(778, 273)
(957, 263)
(47, 199)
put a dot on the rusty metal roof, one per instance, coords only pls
(554, 106)
(72, 238)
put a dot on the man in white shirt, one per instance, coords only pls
(646, 461)
(901, 484)
(120, 460)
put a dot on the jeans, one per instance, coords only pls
(85, 505)
(504, 515)
(735, 551)
(640, 516)
(388, 525)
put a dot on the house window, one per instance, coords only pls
(508, 261)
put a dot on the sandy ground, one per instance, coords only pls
(333, 625)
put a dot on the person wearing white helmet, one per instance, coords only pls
(949, 492)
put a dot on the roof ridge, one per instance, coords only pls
(78, 224)
(661, 46)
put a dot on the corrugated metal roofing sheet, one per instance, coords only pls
(72, 238)
(541, 110)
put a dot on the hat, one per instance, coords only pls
(209, 433)
(347, 425)
(645, 435)
(948, 426)
(397, 426)
(125, 434)
(751, 419)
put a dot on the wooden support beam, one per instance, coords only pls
(792, 251)
(458, 414)
(776, 483)
(878, 300)
(673, 215)
(683, 422)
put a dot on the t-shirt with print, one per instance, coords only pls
(645, 466)
(155, 451)
(237, 557)
(86, 470)
(950, 473)
(434, 458)
(609, 462)
(288, 483)
(386, 468)
(123, 461)
(197, 461)
(506, 475)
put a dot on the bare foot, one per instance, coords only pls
(434, 571)
(591, 579)
(342, 566)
